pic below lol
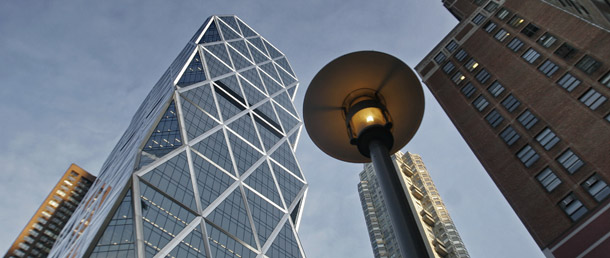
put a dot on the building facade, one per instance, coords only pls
(433, 220)
(527, 84)
(207, 166)
(38, 236)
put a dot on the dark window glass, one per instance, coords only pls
(593, 99)
(458, 77)
(448, 67)
(516, 21)
(468, 90)
(461, 55)
(509, 135)
(479, 2)
(596, 187)
(530, 30)
(492, 6)
(515, 44)
(494, 118)
(547, 40)
(565, 51)
(531, 55)
(511, 103)
(451, 46)
(570, 161)
(588, 64)
(528, 156)
(503, 14)
(548, 179)
(568, 82)
(527, 119)
(439, 58)
(471, 65)
(483, 76)
(548, 68)
(573, 207)
(490, 26)
(480, 103)
(501, 35)
(495, 89)
(478, 19)
(547, 138)
(605, 80)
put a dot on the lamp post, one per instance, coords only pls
(361, 107)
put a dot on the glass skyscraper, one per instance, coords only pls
(207, 166)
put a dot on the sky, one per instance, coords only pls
(73, 74)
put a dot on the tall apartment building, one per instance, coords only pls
(433, 221)
(207, 166)
(38, 236)
(526, 84)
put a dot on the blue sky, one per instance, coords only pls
(74, 73)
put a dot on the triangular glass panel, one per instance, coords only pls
(199, 31)
(118, 239)
(285, 156)
(262, 181)
(227, 32)
(220, 51)
(240, 45)
(245, 155)
(195, 120)
(291, 91)
(246, 30)
(252, 76)
(253, 94)
(257, 55)
(286, 78)
(231, 215)
(289, 185)
(222, 245)
(194, 72)
(164, 138)
(269, 135)
(258, 43)
(174, 179)
(293, 138)
(295, 212)
(239, 61)
(211, 181)
(272, 86)
(214, 147)
(244, 127)
(230, 20)
(285, 244)
(288, 121)
(273, 52)
(215, 67)
(229, 107)
(270, 70)
(162, 219)
(284, 64)
(211, 34)
(266, 112)
(191, 246)
(284, 100)
(231, 86)
(264, 214)
(203, 98)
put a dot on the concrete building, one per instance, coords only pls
(526, 84)
(206, 167)
(38, 236)
(433, 220)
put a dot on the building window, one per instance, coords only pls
(570, 161)
(440, 57)
(605, 80)
(547, 138)
(471, 65)
(568, 82)
(509, 135)
(515, 44)
(528, 156)
(516, 21)
(478, 19)
(494, 118)
(480, 2)
(451, 46)
(531, 55)
(501, 35)
(448, 67)
(511, 103)
(468, 90)
(548, 179)
(530, 30)
(483, 76)
(608, 118)
(503, 14)
(495, 89)
(593, 99)
(573, 207)
(461, 55)
(458, 77)
(490, 26)
(480, 103)
(588, 64)
(565, 51)
(491, 7)
(547, 40)
(596, 187)
(527, 119)
(548, 68)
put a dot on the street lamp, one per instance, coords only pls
(360, 108)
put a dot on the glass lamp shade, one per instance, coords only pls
(366, 117)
